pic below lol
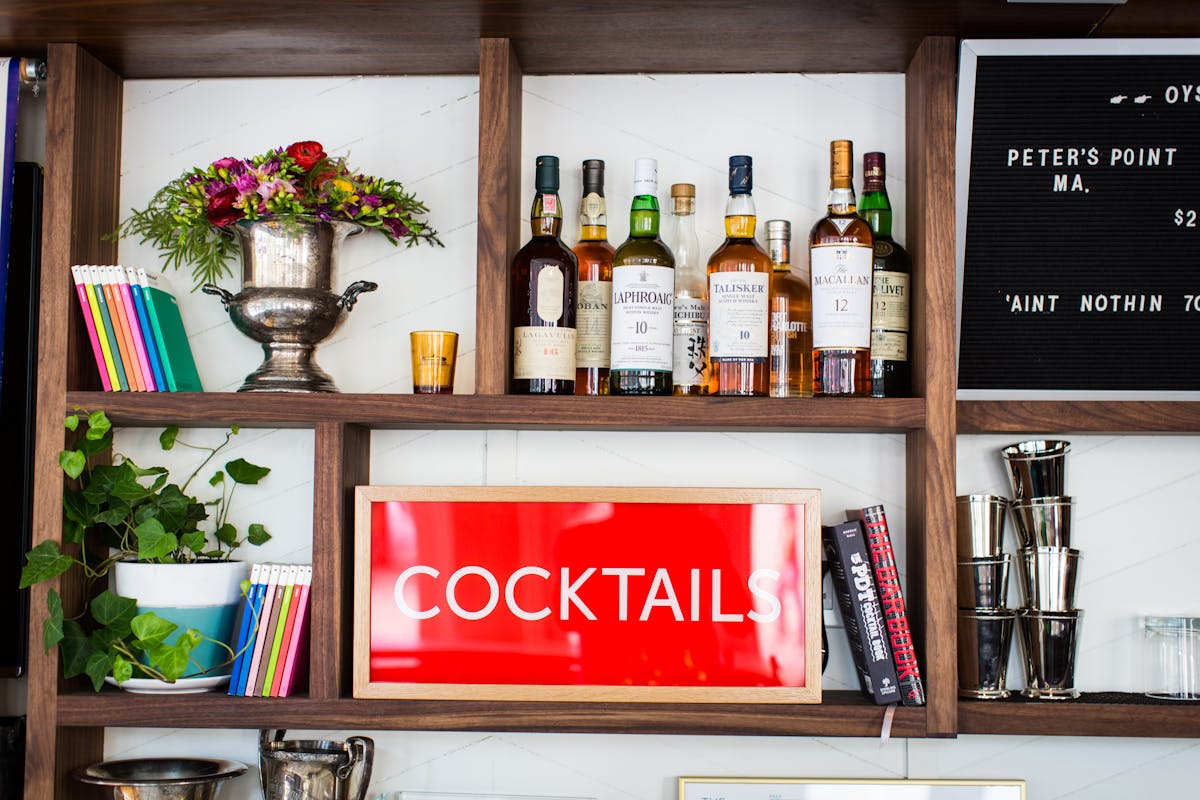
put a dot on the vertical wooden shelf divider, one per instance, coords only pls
(930, 479)
(83, 144)
(499, 210)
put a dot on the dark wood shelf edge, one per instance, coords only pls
(1092, 416)
(842, 714)
(506, 411)
(1129, 718)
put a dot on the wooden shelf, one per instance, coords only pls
(844, 713)
(1106, 714)
(506, 411)
(1032, 416)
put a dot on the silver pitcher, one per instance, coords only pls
(314, 769)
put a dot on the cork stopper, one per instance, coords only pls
(683, 195)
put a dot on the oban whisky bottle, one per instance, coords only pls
(791, 318)
(739, 275)
(690, 350)
(593, 309)
(643, 286)
(840, 255)
(891, 371)
(542, 295)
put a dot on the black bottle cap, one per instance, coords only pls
(593, 176)
(545, 180)
(741, 174)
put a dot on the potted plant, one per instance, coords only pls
(145, 625)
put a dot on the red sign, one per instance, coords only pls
(575, 592)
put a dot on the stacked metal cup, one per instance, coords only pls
(1047, 566)
(985, 623)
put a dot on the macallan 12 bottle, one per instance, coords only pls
(643, 287)
(690, 373)
(791, 318)
(739, 275)
(593, 308)
(544, 278)
(891, 371)
(840, 255)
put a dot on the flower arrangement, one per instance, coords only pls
(191, 219)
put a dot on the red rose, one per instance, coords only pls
(220, 208)
(306, 154)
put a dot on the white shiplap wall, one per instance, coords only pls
(423, 131)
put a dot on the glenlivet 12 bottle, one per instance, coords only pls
(891, 370)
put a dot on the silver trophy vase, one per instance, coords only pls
(287, 303)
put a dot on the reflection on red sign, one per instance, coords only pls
(587, 593)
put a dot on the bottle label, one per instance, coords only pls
(690, 351)
(739, 311)
(889, 346)
(642, 319)
(889, 298)
(550, 293)
(593, 318)
(592, 205)
(841, 296)
(550, 204)
(543, 352)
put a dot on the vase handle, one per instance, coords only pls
(226, 297)
(350, 296)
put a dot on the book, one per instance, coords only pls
(244, 626)
(110, 332)
(162, 308)
(116, 309)
(89, 321)
(288, 581)
(295, 668)
(139, 303)
(891, 597)
(121, 281)
(264, 611)
(850, 566)
(288, 628)
(270, 619)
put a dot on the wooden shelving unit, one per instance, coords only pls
(107, 41)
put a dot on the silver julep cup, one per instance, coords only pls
(984, 640)
(1048, 643)
(1043, 521)
(161, 778)
(980, 525)
(1037, 468)
(1048, 576)
(983, 582)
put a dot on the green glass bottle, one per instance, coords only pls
(643, 290)
(891, 370)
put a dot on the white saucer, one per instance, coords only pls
(181, 686)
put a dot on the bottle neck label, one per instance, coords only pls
(740, 227)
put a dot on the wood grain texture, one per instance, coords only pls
(929, 134)
(342, 456)
(82, 111)
(842, 713)
(1080, 718)
(1069, 416)
(499, 209)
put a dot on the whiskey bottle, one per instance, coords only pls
(542, 296)
(891, 371)
(791, 316)
(840, 255)
(593, 307)
(690, 349)
(739, 274)
(643, 286)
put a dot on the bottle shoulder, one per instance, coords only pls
(789, 281)
(645, 251)
(739, 255)
(890, 256)
(848, 229)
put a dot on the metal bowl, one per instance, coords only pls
(161, 778)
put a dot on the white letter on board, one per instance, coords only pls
(759, 591)
(402, 604)
(510, 594)
(493, 592)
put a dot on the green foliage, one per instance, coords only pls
(140, 514)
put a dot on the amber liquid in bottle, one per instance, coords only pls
(542, 296)
(841, 250)
(593, 307)
(791, 318)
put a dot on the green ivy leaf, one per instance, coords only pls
(150, 630)
(71, 422)
(226, 534)
(235, 430)
(142, 472)
(122, 670)
(192, 540)
(154, 542)
(77, 508)
(98, 426)
(52, 628)
(103, 639)
(217, 479)
(242, 471)
(75, 649)
(43, 563)
(172, 660)
(257, 534)
(98, 665)
(72, 462)
(127, 486)
(90, 446)
(114, 612)
(73, 531)
(167, 437)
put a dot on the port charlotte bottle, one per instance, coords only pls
(891, 370)
(791, 318)
(739, 275)
(840, 255)
(643, 286)
(544, 279)
(690, 349)
(593, 307)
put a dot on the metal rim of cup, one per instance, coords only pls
(1036, 450)
(987, 613)
(1027, 612)
(1043, 502)
(982, 499)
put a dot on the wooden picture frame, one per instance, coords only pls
(848, 789)
(800, 506)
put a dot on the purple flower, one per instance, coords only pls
(351, 210)
(216, 187)
(370, 201)
(246, 183)
(322, 213)
(270, 166)
(396, 228)
(225, 163)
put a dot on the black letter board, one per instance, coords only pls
(1080, 270)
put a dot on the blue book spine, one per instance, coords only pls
(245, 647)
(139, 303)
